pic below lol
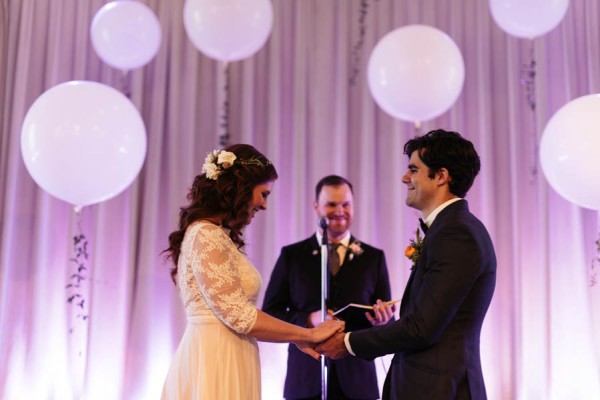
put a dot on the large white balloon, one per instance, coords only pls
(228, 30)
(569, 151)
(83, 142)
(125, 34)
(416, 73)
(528, 18)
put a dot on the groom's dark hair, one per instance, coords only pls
(446, 149)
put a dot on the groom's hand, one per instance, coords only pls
(334, 347)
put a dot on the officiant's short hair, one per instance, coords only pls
(331, 180)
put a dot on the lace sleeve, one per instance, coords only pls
(213, 263)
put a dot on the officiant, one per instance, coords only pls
(358, 275)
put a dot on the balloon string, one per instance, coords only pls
(357, 48)
(417, 128)
(75, 281)
(125, 82)
(224, 120)
(595, 263)
(528, 74)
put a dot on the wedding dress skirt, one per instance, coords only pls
(213, 362)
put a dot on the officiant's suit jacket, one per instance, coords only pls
(436, 339)
(294, 292)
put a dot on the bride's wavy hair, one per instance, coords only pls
(228, 195)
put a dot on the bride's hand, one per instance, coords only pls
(305, 347)
(327, 329)
(319, 334)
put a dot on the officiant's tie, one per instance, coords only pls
(334, 258)
(424, 226)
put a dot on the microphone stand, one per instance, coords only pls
(324, 287)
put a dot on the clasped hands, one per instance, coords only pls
(334, 346)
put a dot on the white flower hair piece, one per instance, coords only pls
(216, 162)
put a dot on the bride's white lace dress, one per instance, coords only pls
(219, 287)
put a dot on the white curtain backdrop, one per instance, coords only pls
(294, 101)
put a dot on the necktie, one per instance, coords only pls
(424, 226)
(334, 258)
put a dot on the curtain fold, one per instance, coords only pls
(295, 100)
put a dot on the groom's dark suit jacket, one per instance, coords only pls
(436, 339)
(294, 291)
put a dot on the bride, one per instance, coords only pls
(217, 357)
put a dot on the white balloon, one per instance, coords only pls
(528, 18)
(416, 73)
(125, 34)
(83, 142)
(569, 151)
(228, 30)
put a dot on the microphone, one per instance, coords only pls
(323, 222)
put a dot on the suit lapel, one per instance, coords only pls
(419, 265)
(347, 257)
(313, 250)
(437, 223)
(405, 295)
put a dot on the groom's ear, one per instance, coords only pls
(443, 177)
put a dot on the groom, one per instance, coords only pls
(436, 339)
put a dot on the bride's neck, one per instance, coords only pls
(213, 220)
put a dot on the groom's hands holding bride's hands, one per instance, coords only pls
(320, 334)
(334, 347)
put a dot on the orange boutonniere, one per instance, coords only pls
(413, 251)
